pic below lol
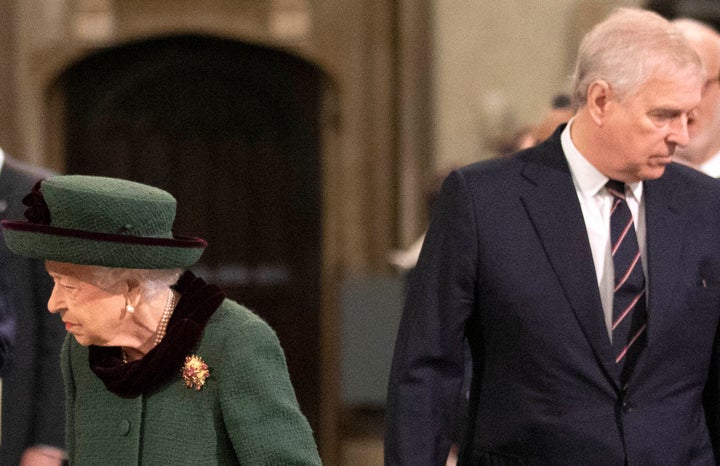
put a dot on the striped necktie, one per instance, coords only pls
(629, 314)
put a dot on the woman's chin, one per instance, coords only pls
(83, 340)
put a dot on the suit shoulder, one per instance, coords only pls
(16, 180)
(492, 166)
(492, 171)
(493, 177)
(24, 172)
(548, 154)
(690, 181)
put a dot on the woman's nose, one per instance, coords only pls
(56, 300)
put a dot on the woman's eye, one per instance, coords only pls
(62, 282)
(65, 286)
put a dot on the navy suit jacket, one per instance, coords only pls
(507, 264)
(33, 399)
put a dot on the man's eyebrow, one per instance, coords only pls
(666, 111)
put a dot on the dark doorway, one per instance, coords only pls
(707, 11)
(233, 131)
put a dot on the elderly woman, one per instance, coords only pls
(161, 367)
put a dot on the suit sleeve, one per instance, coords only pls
(258, 402)
(712, 399)
(5, 326)
(66, 364)
(428, 362)
(711, 394)
(49, 396)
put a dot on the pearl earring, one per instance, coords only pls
(129, 308)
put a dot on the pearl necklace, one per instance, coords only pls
(162, 326)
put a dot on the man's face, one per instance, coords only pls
(704, 124)
(643, 130)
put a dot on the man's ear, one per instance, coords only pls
(599, 96)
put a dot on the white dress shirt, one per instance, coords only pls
(712, 166)
(596, 202)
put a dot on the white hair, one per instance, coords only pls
(626, 49)
(152, 281)
(690, 27)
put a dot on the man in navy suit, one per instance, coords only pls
(520, 260)
(33, 400)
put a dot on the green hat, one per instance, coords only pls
(93, 220)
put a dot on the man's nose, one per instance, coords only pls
(679, 131)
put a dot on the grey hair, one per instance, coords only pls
(152, 281)
(626, 49)
(686, 25)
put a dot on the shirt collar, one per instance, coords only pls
(712, 166)
(588, 180)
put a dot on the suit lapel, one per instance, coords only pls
(664, 226)
(552, 205)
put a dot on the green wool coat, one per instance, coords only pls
(246, 413)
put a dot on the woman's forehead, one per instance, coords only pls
(67, 269)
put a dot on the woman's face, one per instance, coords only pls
(93, 315)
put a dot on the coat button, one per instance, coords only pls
(123, 427)
(627, 407)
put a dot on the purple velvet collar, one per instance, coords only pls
(198, 301)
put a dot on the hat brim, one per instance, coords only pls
(108, 250)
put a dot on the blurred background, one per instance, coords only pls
(302, 138)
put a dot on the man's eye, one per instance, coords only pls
(664, 115)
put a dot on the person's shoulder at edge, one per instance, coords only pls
(233, 328)
(232, 317)
(496, 173)
(34, 172)
(689, 181)
(250, 345)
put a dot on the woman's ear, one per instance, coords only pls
(599, 97)
(131, 291)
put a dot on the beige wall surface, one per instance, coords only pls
(498, 65)
(8, 129)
